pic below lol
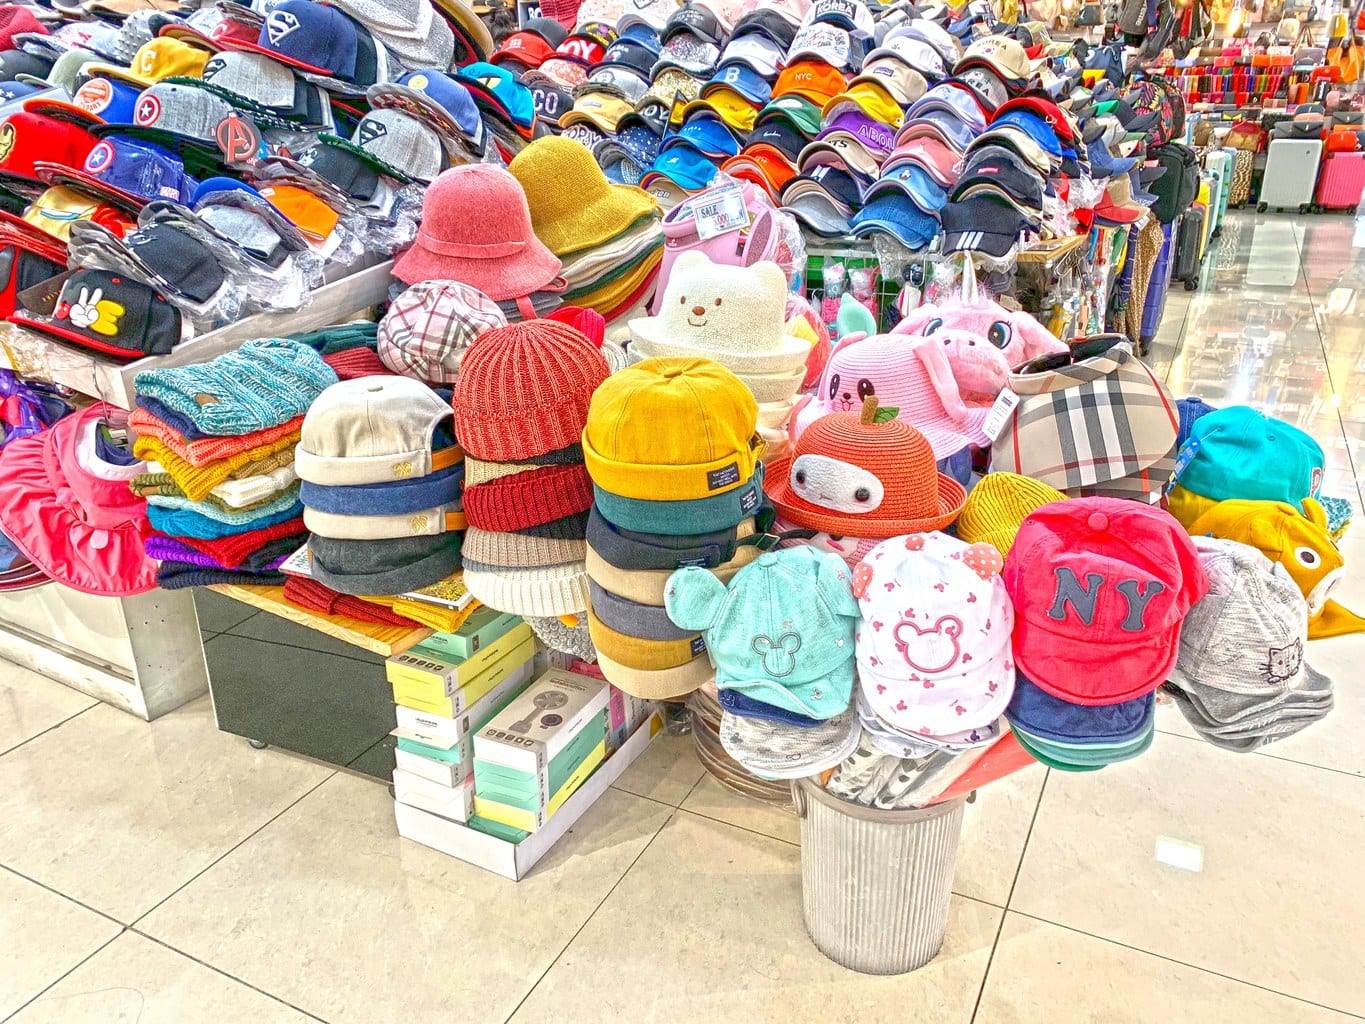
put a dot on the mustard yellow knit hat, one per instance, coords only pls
(997, 506)
(573, 206)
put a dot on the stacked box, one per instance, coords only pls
(443, 698)
(535, 753)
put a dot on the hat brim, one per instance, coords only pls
(35, 239)
(989, 242)
(536, 269)
(951, 497)
(1128, 669)
(60, 110)
(993, 678)
(293, 62)
(815, 209)
(45, 325)
(375, 163)
(646, 335)
(60, 174)
(401, 97)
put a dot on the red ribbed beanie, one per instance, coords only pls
(524, 390)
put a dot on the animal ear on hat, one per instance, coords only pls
(835, 581)
(770, 275)
(691, 258)
(940, 373)
(1037, 339)
(692, 597)
(854, 318)
(1315, 513)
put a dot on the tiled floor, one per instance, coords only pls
(170, 873)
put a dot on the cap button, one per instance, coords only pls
(768, 558)
(1098, 521)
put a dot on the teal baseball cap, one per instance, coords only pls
(1239, 452)
(683, 518)
(1080, 757)
(795, 653)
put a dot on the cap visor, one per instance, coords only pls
(48, 327)
(1126, 671)
(293, 62)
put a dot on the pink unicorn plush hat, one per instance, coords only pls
(982, 339)
(911, 375)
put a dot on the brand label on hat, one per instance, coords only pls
(726, 476)
(581, 133)
(1315, 482)
(1005, 404)
(280, 24)
(148, 110)
(1082, 598)
(698, 646)
(238, 140)
(748, 501)
(94, 96)
(1182, 461)
(721, 212)
(371, 130)
(827, 9)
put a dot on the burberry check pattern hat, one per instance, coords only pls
(1091, 422)
(427, 329)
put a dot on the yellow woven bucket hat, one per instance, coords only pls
(573, 206)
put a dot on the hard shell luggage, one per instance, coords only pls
(1342, 183)
(1291, 172)
(1243, 170)
(1204, 199)
(1189, 239)
(1155, 302)
(1218, 165)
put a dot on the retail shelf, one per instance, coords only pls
(370, 636)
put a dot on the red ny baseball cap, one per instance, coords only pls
(1100, 586)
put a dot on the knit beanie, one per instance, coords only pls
(574, 527)
(544, 590)
(202, 451)
(234, 552)
(180, 575)
(310, 594)
(199, 481)
(529, 499)
(524, 390)
(516, 550)
(558, 637)
(998, 505)
(262, 384)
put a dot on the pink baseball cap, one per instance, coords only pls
(933, 646)
(1100, 586)
(929, 152)
(72, 513)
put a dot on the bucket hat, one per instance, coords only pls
(427, 329)
(1100, 586)
(573, 206)
(70, 512)
(476, 229)
(933, 647)
(863, 474)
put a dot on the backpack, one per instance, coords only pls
(1175, 190)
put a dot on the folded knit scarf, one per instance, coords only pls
(182, 425)
(182, 523)
(198, 482)
(237, 551)
(270, 555)
(179, 575)
(210, 449)
(266, 489)
(316, 597)
(434, 616)
(260, 385)
(230, 517)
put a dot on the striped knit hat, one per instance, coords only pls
(524, 390)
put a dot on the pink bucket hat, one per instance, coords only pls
(71, 512)
(911, 375)
(476, 229)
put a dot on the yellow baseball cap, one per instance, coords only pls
(163, 57)
(601, 110)
(872, 99)
(734, 109)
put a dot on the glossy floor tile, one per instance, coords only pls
(118, 813)
(1192, 886)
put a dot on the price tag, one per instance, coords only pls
(1000, 414)
(1182, 460)
(720, 212)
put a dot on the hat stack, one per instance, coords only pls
(857, 478)
(1100, 587)
(607, 236)
(476, 229)
(784, 668)
(220, 439)
(382, 480)
(735, 316)
(673, 450)
(935, 666)
(1240, 679)
(520, 406)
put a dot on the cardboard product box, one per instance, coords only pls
(444, 733)
(542, 721)
(534, 789)
(625, 713)
(453, 803)
(519, 663)
(517, 815)
(492, 846)
(482, 627)
(448, 673)
(453, 765)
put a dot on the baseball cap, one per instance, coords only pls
(437, 98)
(706, 133)
(599, 109)
(622, 82)
(1003, 170)
(842, 151)
(780, 135)
(939, 124)
(254, 78)
(898, 215)
(1239, 452)
(653, 14)
(683, 164)
(1034, 126)
(1100, 586)
(214, 27)
(911, 180)
(912, 52)
(897, 79)
(512, 99)
(14, 63)
(695, 20)
(302, 208)
(929, 152)
(816, 81)
(689, 53)
(169, 258)
(852, 123)
(58, 208)
(736, 111)
(952, 98)
(175, 113)
(764, 166)
(827, 43)
(548, 29)
(164, 57)
(126, 171)
(529, 49)
(27, 138)
(798, 111)
(756, 52)
(1021, 142)
(981, 223)
(822, 205)
(1003, 55)
(870, 100)
(1043, 107)
(630, 54)
(109, 313)
(990, 91)
(314, 38)
(397, 143)
(1116, 205)
(741, 79)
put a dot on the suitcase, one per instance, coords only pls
(1291, 172)
(1218, 164)
(1189, 237)
(1243, 170)
(1342, 183)
(1203, 199)
(1155, 302)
